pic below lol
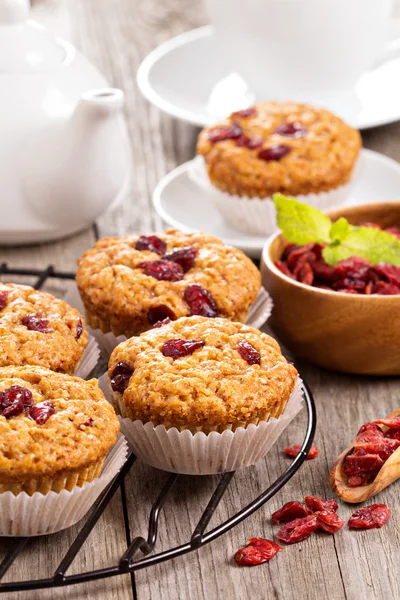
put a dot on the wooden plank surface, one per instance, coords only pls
(116, 35)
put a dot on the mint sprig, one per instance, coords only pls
(302, 224)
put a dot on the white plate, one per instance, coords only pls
(184, 204)
(187, 79)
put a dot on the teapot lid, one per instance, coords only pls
(26, 46)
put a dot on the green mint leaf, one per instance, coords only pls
(368, 242)
(340, 230)
(301, 223)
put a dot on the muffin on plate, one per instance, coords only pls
(295, 149)
(38, 329)
(55, 430)
(130, 283)
(196, 375)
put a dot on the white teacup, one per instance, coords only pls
(301, 49)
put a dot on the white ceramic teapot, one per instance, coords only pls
(64, 149)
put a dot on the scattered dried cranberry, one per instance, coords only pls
(163, 270)
(294, 450)
(36, 323)
(182, 256)
(293, 130)
(329, 521)
(159, 324)
(248, 352)
(151, 243)
(79, 329)
(370, 517)
(298, 530)
(256, 552)
(290, 511)
(318, 504)
(200, 301)
(160, 313)
(3, 299)
(120, 377)
(177, 348)
(41, 412)
(276, 152)
(245, 112)
(220, 134)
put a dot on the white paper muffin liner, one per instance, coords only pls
(257, 215)
(89, 359)
(200, 454)
(40, 514)
(259, 313)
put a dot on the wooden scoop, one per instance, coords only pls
(389, 472)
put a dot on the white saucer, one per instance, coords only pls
(184, 204)
(183, 78)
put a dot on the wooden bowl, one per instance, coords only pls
(337, 331)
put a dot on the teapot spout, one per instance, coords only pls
(100, 103)
(77, 170)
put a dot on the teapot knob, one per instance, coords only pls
(13, 12)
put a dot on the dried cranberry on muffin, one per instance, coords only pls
(38, 329)
(55, 430)
(130, 283)
(296, 149)
(201, 374)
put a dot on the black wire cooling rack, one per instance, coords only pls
(129, 562)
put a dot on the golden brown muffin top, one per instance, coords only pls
(50, 423)
(113, 278)
(229, 374)
(38, 329)
(279, 147)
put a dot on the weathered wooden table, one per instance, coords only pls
(116, 35)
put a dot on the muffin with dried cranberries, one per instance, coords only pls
(38, 329)
(199, 375)
(295, 149)
(130, 283)
(55, 430)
